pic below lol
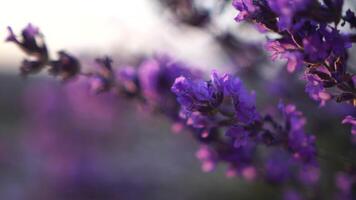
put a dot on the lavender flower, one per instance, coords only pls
(246, 130)
(128, 78)
(315, 88)
(244, 101)
(301, 144)
(286, 10)
(350, 18)
(103, 79)
(278, 167)
(246, 8)
(221, 114)
(285, 49)
(307, 38)
(240, 135)
(31, 41)
(345, 182)
(66, 67)
(352, 121)
(208, 158)
(198, 95)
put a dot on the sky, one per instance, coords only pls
(101, 26)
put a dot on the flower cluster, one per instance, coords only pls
(345, 182)
(352, 121)
(221, 113)
(310, 36)
(225, 114)
(33, 44)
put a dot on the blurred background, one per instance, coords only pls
(56, 145)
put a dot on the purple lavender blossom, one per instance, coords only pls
(66, 67)
(240, 135)
(352, 121)
(246, 131)
(315, 88)
(208, 158)
(345, 182)
(315, 48)
(307, 38)
(221, 113)
(350, 18)
(278, 167)
(286, 9)
(128, 78)
(155, 77)
(246, 8)
(309, 174)
(103, 79)
(256, 11)
(244, 101)
(301, 144)
(198, 95)
(286, 49)
(31, 41)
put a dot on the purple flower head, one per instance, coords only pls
(337, 43)
(320, 42)
(30, 67)
(239, 134)
(345, 181)
(206, 96)
(302, 145)
(66, 67)
(208, 158)
(240, 159)
(315, 49)
(350, 18)
(309, 174)
(352, 121)
(257, 11)
(196, 119)
(295, 119)
(246, 8)
(286, 10)
(279, 47)
(30, 32)
(11, 37)
(149, 74)
(198, 95)
(278, 167)
(286, 49)
(157, 75)
(294, 61)
(103, 79)
(128, 79)
(244, 101)
(31, 42)
(315, 86)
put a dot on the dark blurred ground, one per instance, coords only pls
(141, 159)
(135, 157)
